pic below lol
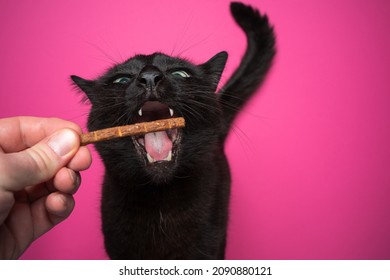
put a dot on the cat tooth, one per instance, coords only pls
(171, 112)
(169, 157)
(173, 134)
(141, 141)
(150, 159)
(140, 112)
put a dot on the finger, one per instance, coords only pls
(81, 161)
(7, 200)
(47, 212)
(59, 206)
(66, 181)
(20, 133)
(38, 163)
(31, 193)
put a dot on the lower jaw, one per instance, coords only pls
(160, 172)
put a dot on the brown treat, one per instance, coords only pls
(130, 130)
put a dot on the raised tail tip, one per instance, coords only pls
(248, 18)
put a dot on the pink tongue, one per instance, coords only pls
(158, 145)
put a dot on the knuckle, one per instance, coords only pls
(42, 162)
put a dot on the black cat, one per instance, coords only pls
(166, 194)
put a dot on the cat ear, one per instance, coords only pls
(214, 67)
(85, 85)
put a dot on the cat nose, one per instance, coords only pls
(150, 77)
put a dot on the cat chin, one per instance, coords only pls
(160, 172)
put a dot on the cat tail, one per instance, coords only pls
(254, 64)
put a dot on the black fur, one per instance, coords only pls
(174, 209)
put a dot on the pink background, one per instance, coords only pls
(310, 154)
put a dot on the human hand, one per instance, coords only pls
(40, 160)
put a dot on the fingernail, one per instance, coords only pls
(63, 206)
(63, 142)
(76, 178)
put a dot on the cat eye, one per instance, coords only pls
(122, 80)
(181, 73)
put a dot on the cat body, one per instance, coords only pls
(166, 194)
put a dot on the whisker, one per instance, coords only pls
(117, 122)
(246, 144)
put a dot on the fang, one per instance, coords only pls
(150, 159)
(169, 157)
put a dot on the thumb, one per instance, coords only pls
(39, 163)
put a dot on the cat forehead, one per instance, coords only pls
(158, 60)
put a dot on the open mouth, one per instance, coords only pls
(157, 147)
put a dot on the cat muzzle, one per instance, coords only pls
(159, 146)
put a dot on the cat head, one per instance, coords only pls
(150, 87)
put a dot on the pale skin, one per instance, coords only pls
(40, 161)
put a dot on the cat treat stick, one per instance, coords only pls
(130, 130)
